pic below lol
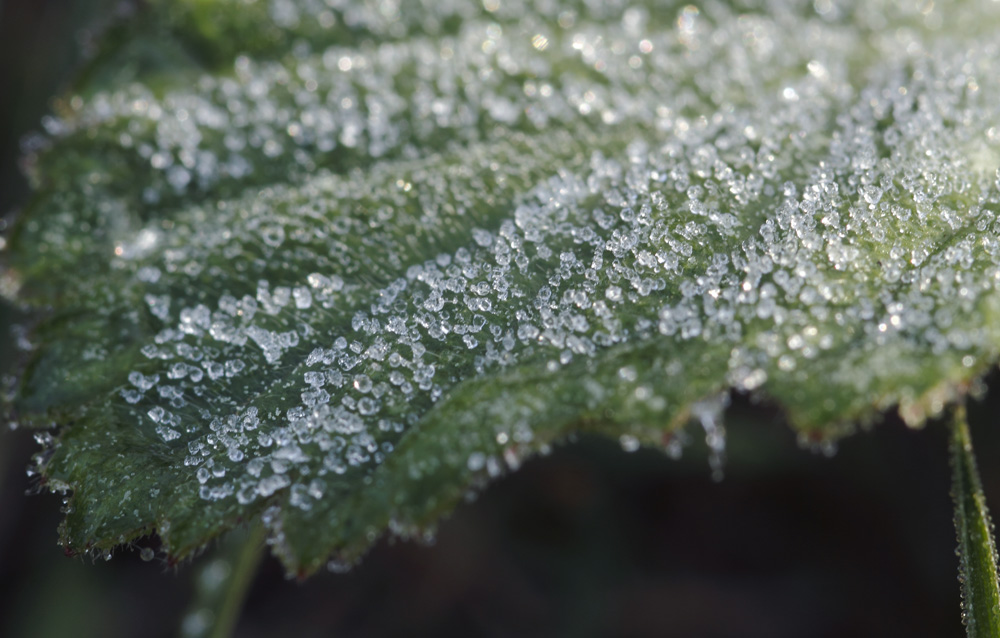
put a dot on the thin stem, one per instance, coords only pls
(976, 547)
(222, 584)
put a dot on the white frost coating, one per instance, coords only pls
(687, 229)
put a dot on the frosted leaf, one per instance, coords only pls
(354, 270)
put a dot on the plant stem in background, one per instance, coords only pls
(976, 547)
(222, 584)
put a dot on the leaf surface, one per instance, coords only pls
(339, 270)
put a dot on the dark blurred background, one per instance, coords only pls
(590, 541)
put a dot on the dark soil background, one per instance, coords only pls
(590, 541)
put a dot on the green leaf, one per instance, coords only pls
(345, 277)
(977, 550)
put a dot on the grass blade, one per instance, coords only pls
(976, 547)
